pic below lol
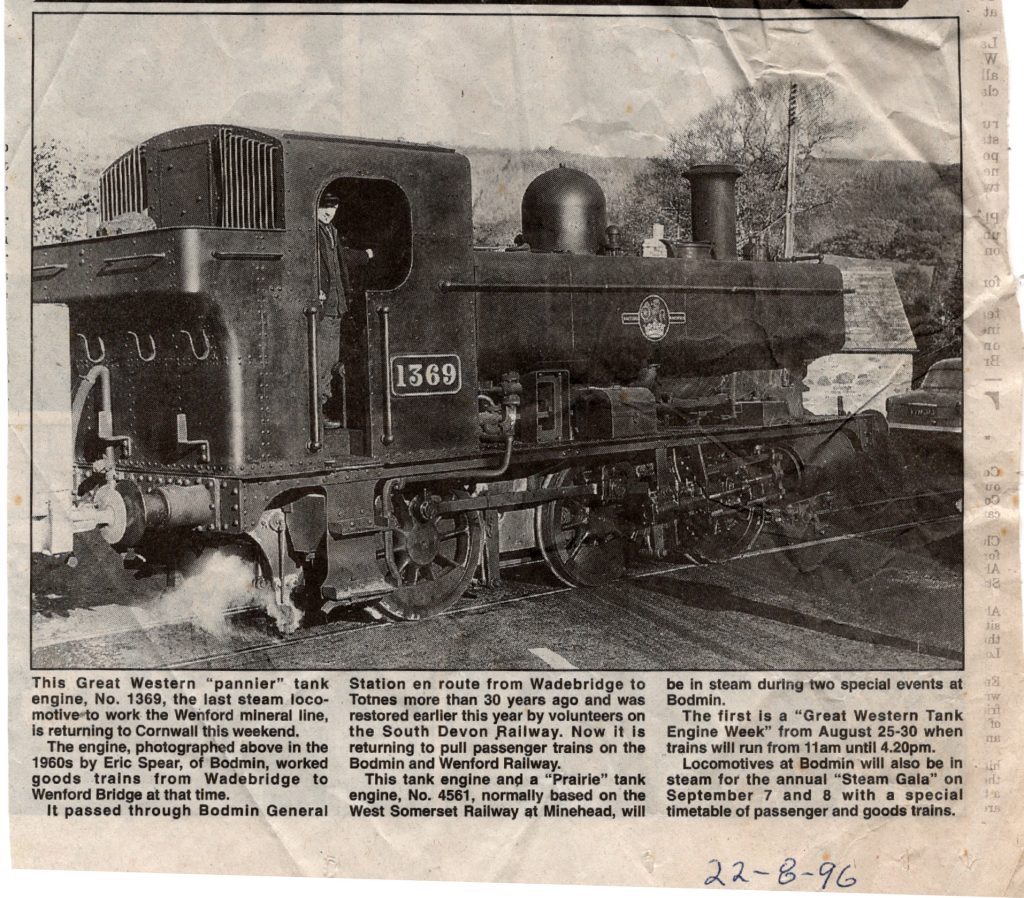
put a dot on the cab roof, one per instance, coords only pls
(165, 137)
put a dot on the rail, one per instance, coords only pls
(334, 630)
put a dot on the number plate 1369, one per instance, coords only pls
(425, 375)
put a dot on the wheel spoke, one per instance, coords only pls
(444, 561)
(576, 549)
(462, 531)
(568, 528)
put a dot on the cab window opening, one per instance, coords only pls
(372, 227)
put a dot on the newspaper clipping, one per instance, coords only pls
(535, 443)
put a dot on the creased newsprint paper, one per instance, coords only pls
(543, 444)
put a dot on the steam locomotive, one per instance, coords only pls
(640, 407)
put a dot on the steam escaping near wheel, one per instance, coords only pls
(218, 584)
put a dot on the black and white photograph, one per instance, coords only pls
(597, 342)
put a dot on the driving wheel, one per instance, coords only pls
(720, 534)
(431, 555)
(583, 544)
(726, 523)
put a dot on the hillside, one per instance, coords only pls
(501, 176)
(904, 211)
(907, 213)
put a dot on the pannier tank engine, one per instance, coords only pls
(287, 342)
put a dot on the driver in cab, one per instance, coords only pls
(337, 260)
(337, 263)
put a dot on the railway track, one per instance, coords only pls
(335, 631)
(146, 635)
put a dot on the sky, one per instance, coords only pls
(606, 86)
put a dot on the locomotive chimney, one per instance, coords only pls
(713, 207)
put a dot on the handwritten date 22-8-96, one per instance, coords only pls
(783, 875)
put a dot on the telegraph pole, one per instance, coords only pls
(789, 247)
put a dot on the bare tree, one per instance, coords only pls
(749, 129)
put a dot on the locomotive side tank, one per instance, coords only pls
(603, 318)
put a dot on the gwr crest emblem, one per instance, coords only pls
(654, 318)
